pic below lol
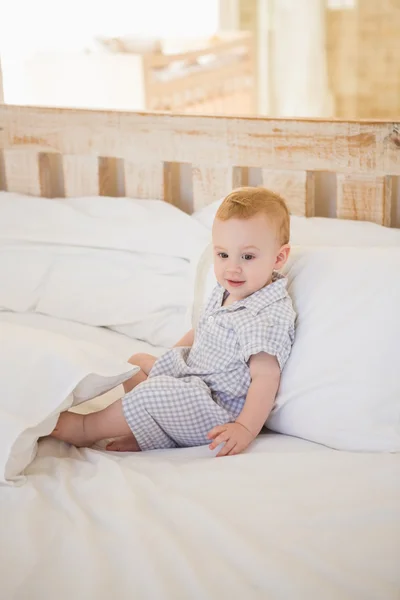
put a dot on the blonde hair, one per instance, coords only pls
(246, 202)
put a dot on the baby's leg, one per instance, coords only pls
(128, 443)
(85, 430)
(145, 362)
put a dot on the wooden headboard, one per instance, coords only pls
(330, 168)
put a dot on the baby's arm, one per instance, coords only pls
(187, 339)
(265, 378)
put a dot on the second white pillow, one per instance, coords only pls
(341, 384)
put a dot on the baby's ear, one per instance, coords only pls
(282, 257)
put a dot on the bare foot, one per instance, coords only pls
(71, 428)
(127, 443)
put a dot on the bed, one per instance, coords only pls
(209, 76)
(290, 518)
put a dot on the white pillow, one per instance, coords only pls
(204, 282)
(110, 262)
(341, 384)
(132, 225)
(206, 214)
(42, 374)
(321, 231)
(144, 296)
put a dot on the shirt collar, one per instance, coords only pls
(274, 291)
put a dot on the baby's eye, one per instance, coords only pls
(222, 255)
(248, 256)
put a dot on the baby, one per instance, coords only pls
(219, 383)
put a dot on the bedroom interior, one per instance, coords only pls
(106, 211)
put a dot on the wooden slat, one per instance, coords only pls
(364, 198)
(297, 188)
(144, 180)
(81, 176)
(172, 184)
(213, 183)
(51, 177)
(302, 145)
(22, 173)
(108, 177)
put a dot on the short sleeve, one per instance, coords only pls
(265, 334)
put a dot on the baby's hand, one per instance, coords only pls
(234, 436)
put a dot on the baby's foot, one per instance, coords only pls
(71, 428)
(127, 443)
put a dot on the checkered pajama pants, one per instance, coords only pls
(170, 412)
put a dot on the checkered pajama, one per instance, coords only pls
(189, 391)
(166, 412)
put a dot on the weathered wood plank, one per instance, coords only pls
(81, 176)
(213, 183)
(22, 174)
(367, 152)
(300, 145)
(364, 198)
(144, 180)
(297, 188)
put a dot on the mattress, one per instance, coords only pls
(286, 519)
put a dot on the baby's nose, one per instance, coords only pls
(234, 267)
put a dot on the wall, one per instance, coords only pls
(68, 25)
(363, 52)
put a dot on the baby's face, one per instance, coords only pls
(246, 252)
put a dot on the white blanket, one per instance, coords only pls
(41, 374)
(288, 520)
(285, 521)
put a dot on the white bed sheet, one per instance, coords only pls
(286, 520)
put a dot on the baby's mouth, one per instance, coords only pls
(234, 283)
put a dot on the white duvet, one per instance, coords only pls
(283, 521)
(287, 520)
(43, 373)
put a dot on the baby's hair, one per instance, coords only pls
(246, 202)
